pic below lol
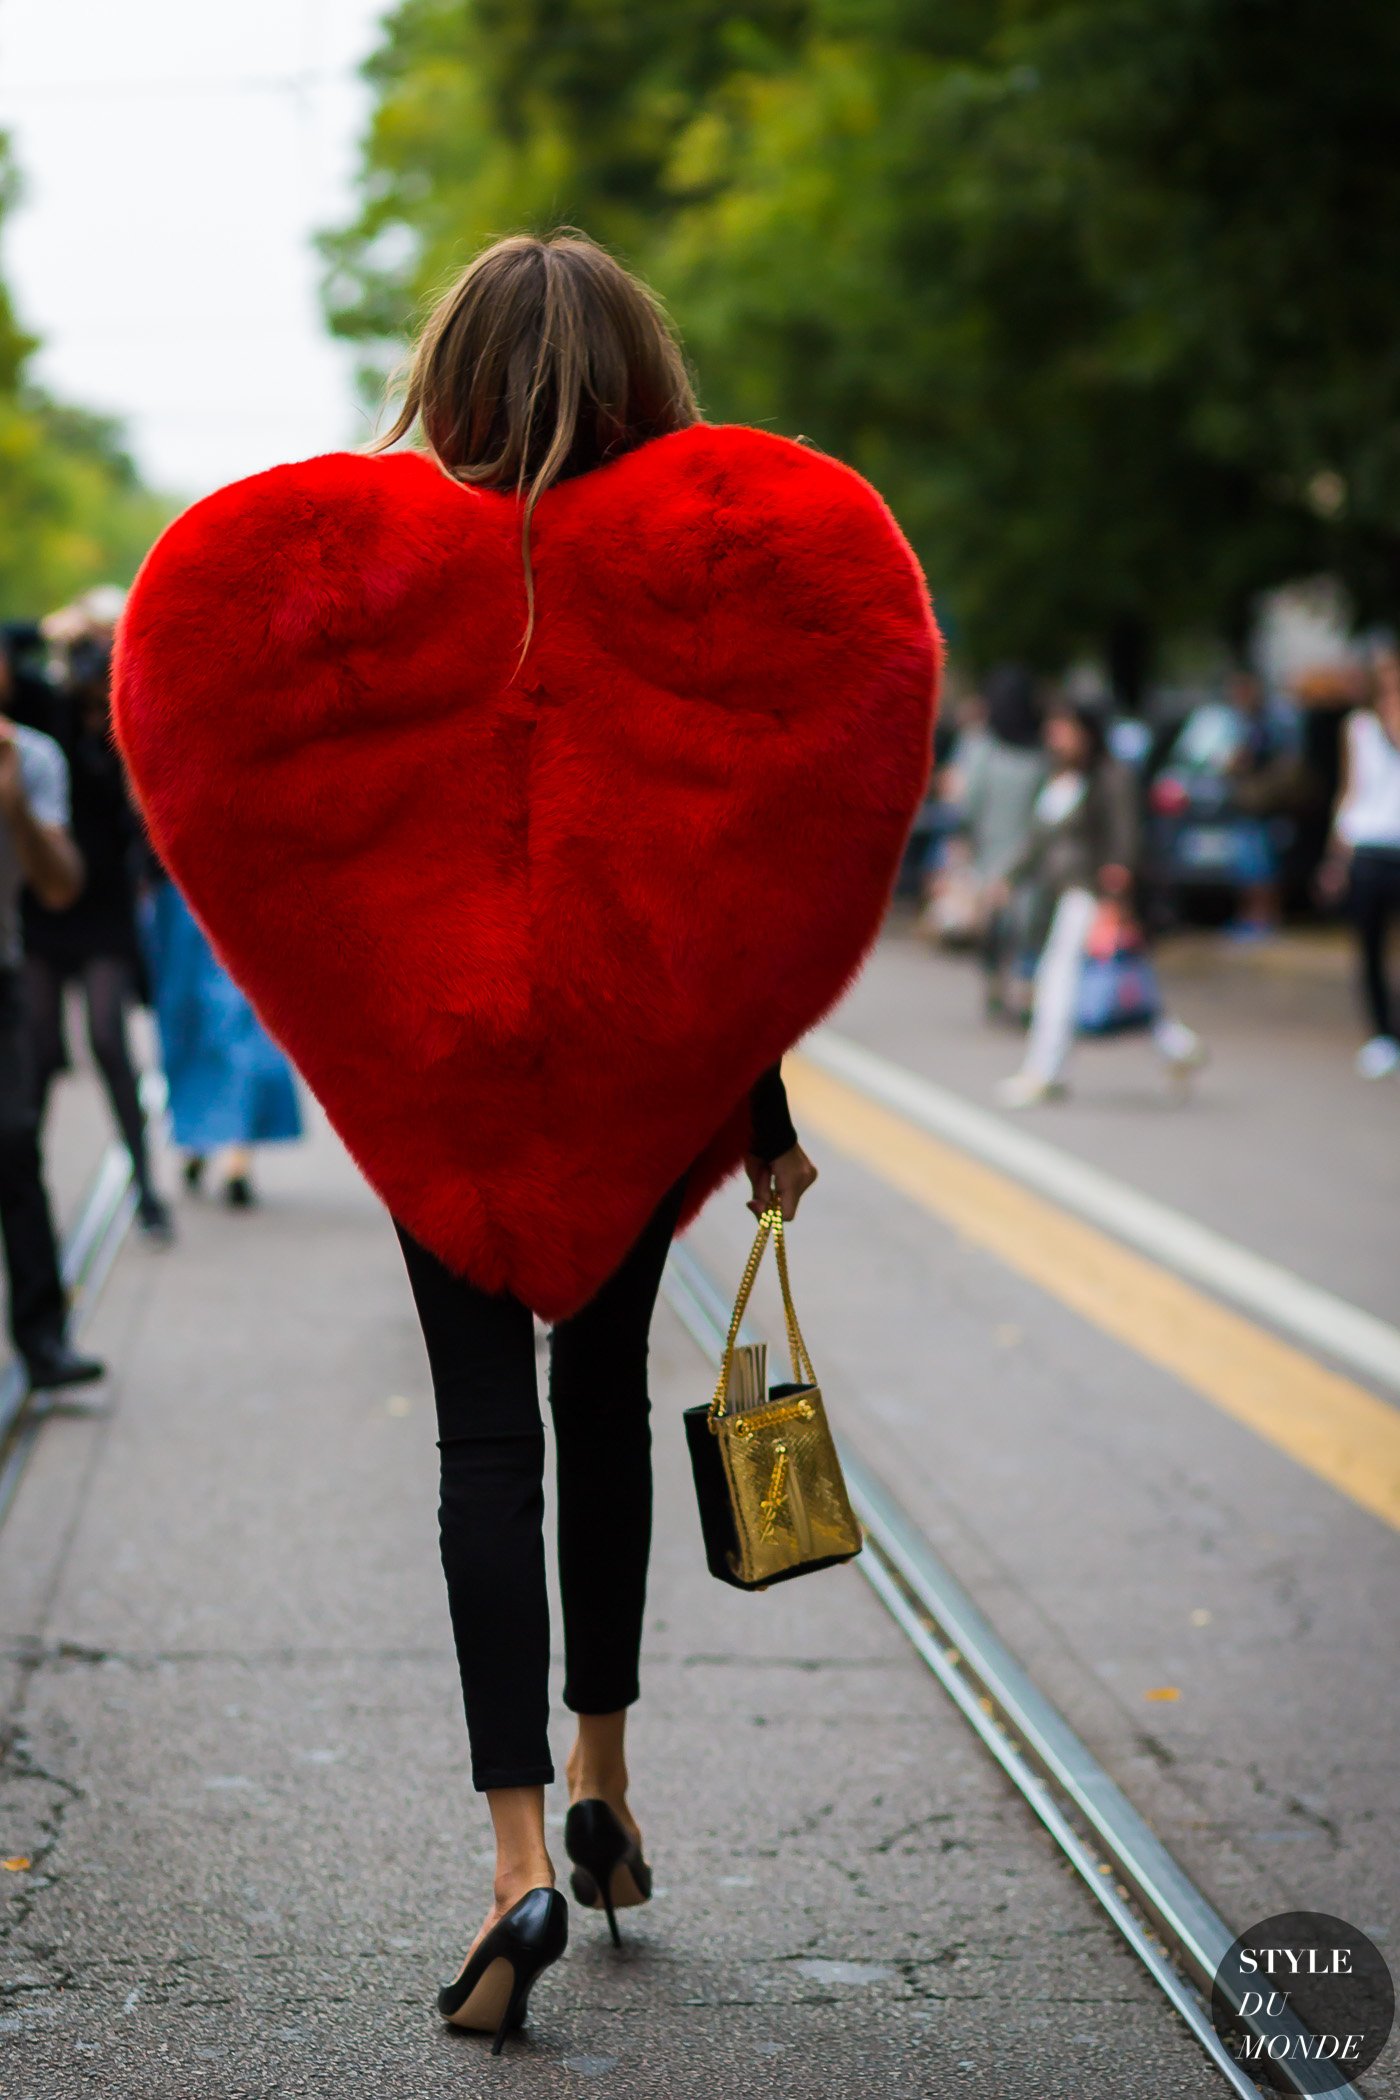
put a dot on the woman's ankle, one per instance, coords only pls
(595, 1773)
(515, 1878)
(590, 1783)
(598, 1772)
(596, 1769)
(522, 1857)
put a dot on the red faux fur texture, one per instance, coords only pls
(530, 931)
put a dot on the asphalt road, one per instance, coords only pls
(1283, 1149)
(236, 1758)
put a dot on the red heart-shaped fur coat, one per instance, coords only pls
(531, 929)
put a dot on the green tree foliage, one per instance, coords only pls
(73, 511)
(1101, 293)
(493, 115)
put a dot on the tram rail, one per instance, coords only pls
(1170, 1926)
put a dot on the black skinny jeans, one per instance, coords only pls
(109, 994)
(38, 1303)
(481, 1352)
(1375, 898)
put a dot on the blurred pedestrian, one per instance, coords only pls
(29, 694)
(1083, 851)
(1269, 785)
(94, 944)
(1364, 855)
(229, 1087)
(947, 882)
(1002, 778)
(35, 847)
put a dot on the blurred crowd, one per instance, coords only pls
(1059, 840)
(89, 919)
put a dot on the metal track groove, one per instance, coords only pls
(1176, 1934)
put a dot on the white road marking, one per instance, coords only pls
(1316, 1317)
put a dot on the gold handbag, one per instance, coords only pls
(773, 1501)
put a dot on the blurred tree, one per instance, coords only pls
(1099, 292)
(73, 511)
(1230, 169)
(496, 114)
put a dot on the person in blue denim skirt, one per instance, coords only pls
(230, 1087)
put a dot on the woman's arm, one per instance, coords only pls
(1124, 827)
(1121, 829)
(770, 1121)
(34, 809)
(1334, 869)
(1022, 864)
(1345, 771)
(776, 1158)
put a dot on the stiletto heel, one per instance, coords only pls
(609, 1871)
(493, 1989)
(514, 2014)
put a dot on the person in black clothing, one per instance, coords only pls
(35, 848)
(94, 943)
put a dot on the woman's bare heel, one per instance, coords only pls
(609, 1871)
(493, 1990)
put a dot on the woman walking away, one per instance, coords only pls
(94, 943)
(544, 786)
(1003, 777)
(1082, 849)
(1366, 848)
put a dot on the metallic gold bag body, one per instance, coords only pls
(773, 1500)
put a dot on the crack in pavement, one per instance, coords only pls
(18, 1765)
(31, 1654)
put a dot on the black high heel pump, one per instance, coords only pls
(609, 1871)
(494, 1987)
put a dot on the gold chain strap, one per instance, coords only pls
(771, 1222)
(797, 1349)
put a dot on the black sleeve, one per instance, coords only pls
(770, 1122)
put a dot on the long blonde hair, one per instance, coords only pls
(545, 358)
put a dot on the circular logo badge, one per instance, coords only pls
(1303, 2002)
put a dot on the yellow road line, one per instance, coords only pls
(1326, 1422)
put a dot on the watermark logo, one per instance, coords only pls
(1304, 2002)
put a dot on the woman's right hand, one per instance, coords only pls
(793, 1173)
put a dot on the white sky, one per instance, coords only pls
(177, 156)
